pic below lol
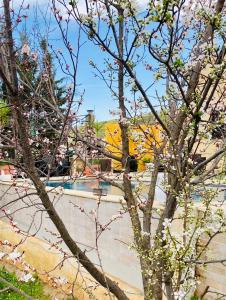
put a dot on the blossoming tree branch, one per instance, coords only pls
(163, 64)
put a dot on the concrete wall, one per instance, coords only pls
(213, 276)
(47, 263)
(116, 258)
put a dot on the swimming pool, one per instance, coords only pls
(90, 185)
(87, 186)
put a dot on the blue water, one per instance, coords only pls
(86, 186)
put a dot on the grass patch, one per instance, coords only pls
(33, 288)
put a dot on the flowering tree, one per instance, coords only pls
(181, 46)
(167, 59)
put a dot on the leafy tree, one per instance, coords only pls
(39, 81)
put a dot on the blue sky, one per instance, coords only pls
(97, 95)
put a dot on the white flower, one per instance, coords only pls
(167, 223)
(145, 233)
(30, 141)
(2, 254)
(14, 255)
(136, 136)
(140, 148)
(179, 295)
(25, 49)
(123, 121)
(6, 242)
(59, 190)
(190, 161)
(27, 268)
(27, 277)
(62, 280)
(34, 56)
(46, 140)
(114, 217)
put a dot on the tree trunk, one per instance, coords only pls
(14, 98)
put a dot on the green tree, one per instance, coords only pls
(39, 82)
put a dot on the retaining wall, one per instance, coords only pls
(116, 257)
(113, 243)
